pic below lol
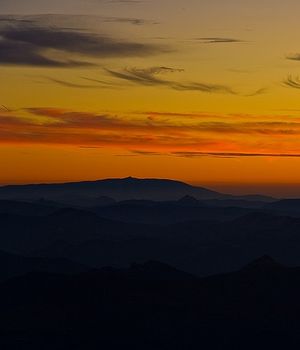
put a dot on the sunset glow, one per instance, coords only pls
(205, 92)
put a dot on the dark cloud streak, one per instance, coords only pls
(293, 57)
(234, 154)
(152, 77)
(22, 53)
(219, 40)
(30, 44)
(292, 82)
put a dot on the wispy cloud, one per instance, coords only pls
(35, 44)
(134, 21)
(294, 57)
(4, 108)
(147, 153)
(257, 92)
(22, 53)
(153, 77)
(97, 83)
(125, 1)
(234, 154)
(187, 135)
(144, 76)
(217, 154)
(292, 82)
(219, 40)
(72, 85)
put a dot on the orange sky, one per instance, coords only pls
(204, 92)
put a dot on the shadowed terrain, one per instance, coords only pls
(153, 306)
(187, 272)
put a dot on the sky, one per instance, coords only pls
(207, 92)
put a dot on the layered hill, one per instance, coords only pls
(108, 190)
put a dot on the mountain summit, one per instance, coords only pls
(119, 189)
(263, 263)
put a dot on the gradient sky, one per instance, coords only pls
(202, 91)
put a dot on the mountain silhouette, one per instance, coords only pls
(150, 270)
(27, 208)
(114, 189)
(189, 201)
(201, 240)
(155, 212)
(13, 265)
(285, 206)
(147, 306)
(264, 263)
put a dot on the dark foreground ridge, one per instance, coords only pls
(153, 306)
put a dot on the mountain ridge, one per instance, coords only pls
(118, 189)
